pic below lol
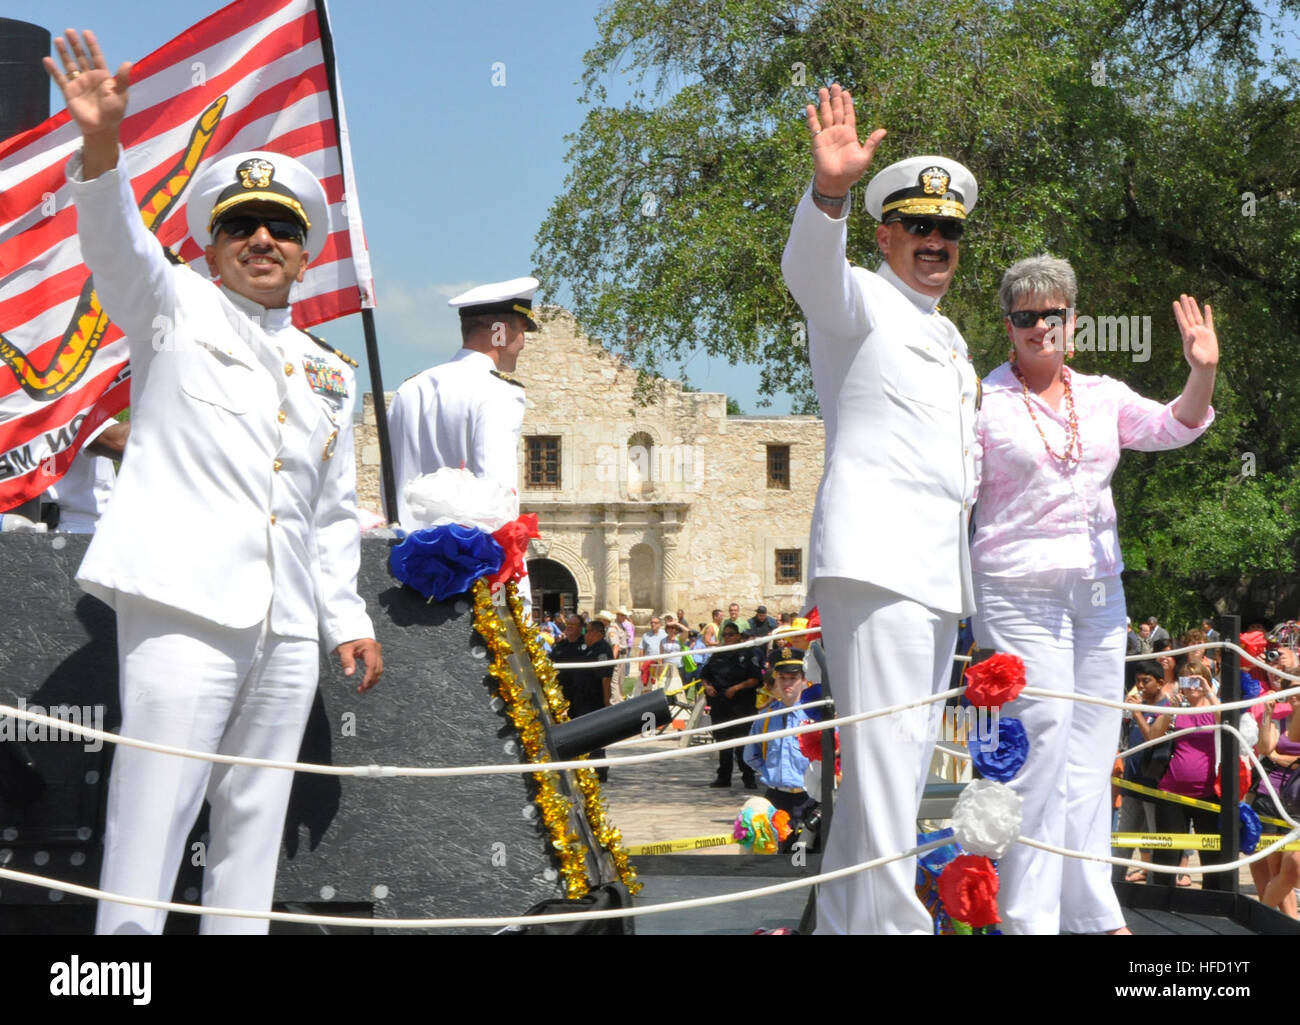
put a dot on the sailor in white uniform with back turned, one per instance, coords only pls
(467, 412)
(889, 563)
(231, 546)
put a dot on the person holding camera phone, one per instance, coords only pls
(1193, 767)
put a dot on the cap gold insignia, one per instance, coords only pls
(935, 181)
(256, 173)
(785, 652)
(329, 446)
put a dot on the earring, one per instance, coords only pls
(1011, 356)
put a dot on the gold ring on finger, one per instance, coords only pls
(72, 75)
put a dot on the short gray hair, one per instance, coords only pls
(1038, 275)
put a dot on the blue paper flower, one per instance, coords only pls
(814, 693)
(442, 561)
(1250, 687)
(1251, 828)
(1008, 758)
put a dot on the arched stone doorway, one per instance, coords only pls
(554, 588)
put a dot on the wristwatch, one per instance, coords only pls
(824, 200)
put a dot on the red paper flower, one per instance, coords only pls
(1254, 643)
(1243, 779)
(968, 888)
(513, 538)
(994, 682)
(811, 746)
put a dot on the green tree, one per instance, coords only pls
(1153, 144)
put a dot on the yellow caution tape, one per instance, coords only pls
(1184, 841)
(1190, 802)
(690, 843)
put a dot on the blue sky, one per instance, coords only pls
(455, 174)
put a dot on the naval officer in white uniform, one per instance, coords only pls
(889, 561)
(232, 543)
(467, 412)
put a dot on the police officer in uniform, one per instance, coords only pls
(731, 681)
(889, 563)
(232, 543)
(467, 412)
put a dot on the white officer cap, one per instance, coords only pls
(923, 187)
(256, 177)
(513, 296)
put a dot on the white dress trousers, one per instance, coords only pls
(881, 649)
(1070, 632)
(187, 682)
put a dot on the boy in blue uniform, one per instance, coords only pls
(780, 762)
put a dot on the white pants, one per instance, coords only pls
(1070, 632)
(189, 683)
(881, 649)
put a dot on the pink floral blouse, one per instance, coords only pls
(1035, 513)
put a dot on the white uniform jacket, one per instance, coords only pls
(897, 393)
(456, 414)
(237, 492)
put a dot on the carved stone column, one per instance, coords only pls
(609, 600)
(669, 597)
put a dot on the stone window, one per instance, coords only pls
(778, 467)
(543, 461)
(789, 566)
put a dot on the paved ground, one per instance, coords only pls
(671, 799)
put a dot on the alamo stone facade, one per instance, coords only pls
(656, 507)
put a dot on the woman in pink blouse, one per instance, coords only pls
(1046, 564)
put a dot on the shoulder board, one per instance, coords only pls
(326, 345)
(507, 379)
(173, 257)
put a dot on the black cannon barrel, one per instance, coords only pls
(594, 730)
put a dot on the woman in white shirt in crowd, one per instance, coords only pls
(1047, 566)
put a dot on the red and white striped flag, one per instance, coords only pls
(258, 74)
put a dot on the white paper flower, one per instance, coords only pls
(1249, 730)
(457, 496)
(987, 818)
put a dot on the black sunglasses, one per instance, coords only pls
(922, 226)
(1029, 318)
(246, 225)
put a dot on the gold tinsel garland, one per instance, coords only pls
(588, 781)
(555, 807)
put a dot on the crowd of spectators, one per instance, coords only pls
(1188, 766)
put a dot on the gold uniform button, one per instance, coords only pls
(273, 519)
(276, 465)
(288, 370)
(281, 417)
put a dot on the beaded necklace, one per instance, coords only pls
(1073, 443)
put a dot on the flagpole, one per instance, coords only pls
(367, 312)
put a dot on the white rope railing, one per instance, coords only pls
(443, 772)
(695, 731)
(522, 920)
(499, 922)
(753, 642)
